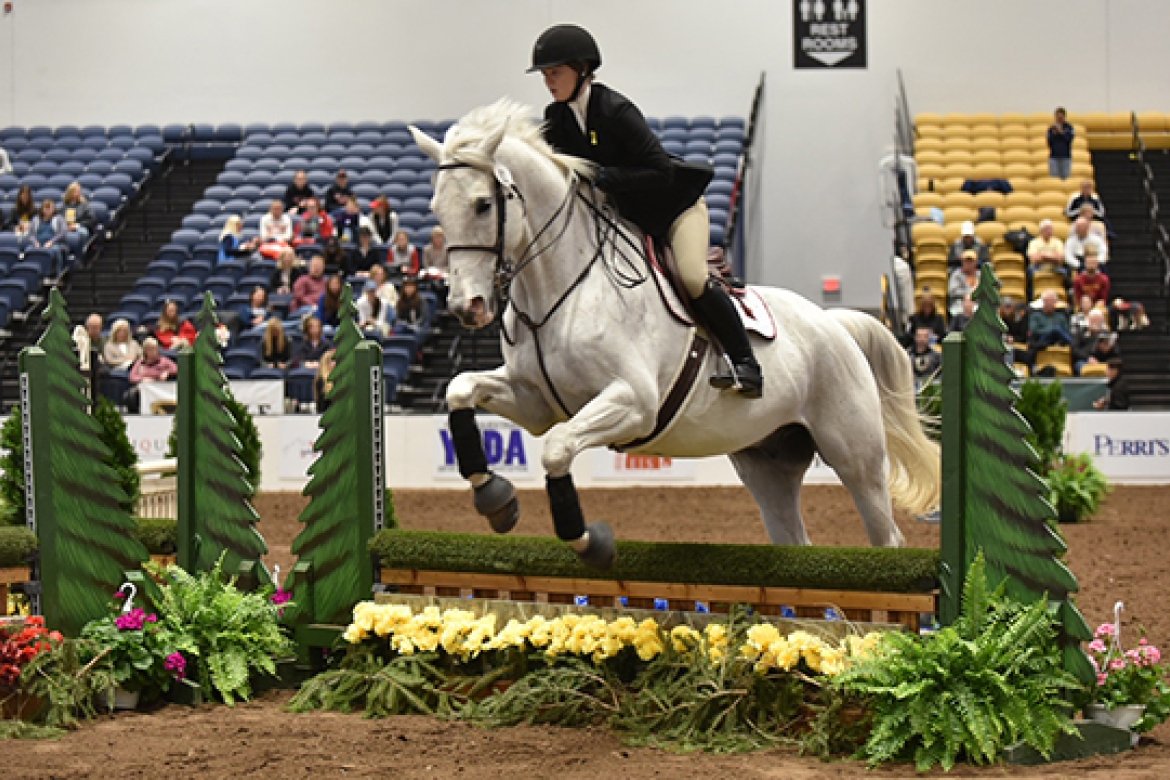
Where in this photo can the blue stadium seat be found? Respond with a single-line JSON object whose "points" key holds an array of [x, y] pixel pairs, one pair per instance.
{"points": [[198, 222], [229, 133], [299, 385]]}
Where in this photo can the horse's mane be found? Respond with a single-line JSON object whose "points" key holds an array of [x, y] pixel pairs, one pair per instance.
{"points": [[463, 142]]}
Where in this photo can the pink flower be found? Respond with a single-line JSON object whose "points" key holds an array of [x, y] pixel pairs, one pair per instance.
{"points": [[132, 620], [1101, 678], [1153, 654], [281, 596], [1143, 641], [1097, 646], [1116, 664], [1104, 630], [119, 595], [152, 618], [176, 664]]}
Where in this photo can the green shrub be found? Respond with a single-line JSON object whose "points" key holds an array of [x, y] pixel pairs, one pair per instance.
{"points": [[1076, 487], [124, 459], [17, 545], [1045, 409], [12, 470]]}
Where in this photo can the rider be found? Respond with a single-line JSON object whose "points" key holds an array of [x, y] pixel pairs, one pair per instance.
{"points": [[661, 195]]}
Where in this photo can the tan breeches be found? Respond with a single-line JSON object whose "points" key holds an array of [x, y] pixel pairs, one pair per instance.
{"points": [[689, 237]]}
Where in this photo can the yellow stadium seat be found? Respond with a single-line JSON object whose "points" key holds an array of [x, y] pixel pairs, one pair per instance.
{"points": [[959, 198], [1061, 229], [1020, 198], [929, 143], [987, 156], [951, 231], [930, 170], [1047, 280], [1054, 213], [1013, 129], [957, 215], [935, 281], [1059, 359], [990, 232], [1010, 268], [922, 231], [950, 184], [1017, 171], [1021, 370], [992, 198], [1015, 143], [1052, 198], [958, 156], [1039, 118], [981, 128], [989, 170], [1152, 122], [983, 118], [1048, 183], [956, 131], [1013, 119], [962, 171], [1082, 170], [1016, 156], [1093, 369], [1018, 214], [928, 200], [930, 157]]}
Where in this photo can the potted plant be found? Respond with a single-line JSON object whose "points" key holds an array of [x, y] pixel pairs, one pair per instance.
{"points": [[144, 652], [1076, 487], [1131, 691]]}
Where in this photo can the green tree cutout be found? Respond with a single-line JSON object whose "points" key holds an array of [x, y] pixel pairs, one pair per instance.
{"points": [[337, 521], [214, 489], [93, 541], [123, 457], [1007, 514]]}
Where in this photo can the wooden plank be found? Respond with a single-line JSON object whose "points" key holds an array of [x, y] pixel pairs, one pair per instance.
{"points": [[15, 574]]}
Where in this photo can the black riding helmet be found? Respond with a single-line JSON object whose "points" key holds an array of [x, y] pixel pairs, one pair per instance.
{"points": [[564, 44]]}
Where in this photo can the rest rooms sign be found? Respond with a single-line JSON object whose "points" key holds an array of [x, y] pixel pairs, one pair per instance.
{"points": [[828, 33]]}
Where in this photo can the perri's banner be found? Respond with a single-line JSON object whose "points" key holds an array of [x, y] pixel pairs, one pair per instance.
{"points": [[828, 33]]}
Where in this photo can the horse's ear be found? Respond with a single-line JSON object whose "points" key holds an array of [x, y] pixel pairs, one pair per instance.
{"points": [[492, 141], [430, 146]]}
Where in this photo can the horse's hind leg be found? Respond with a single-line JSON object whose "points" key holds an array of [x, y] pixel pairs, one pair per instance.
{"points": [[773, 471]]}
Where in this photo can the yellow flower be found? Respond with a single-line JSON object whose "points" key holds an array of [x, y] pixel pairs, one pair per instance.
{"points": [[363, 615], [354, 634], [683, 638]]}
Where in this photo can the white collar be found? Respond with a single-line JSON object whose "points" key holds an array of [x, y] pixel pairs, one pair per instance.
{"points": [[581, 105]]}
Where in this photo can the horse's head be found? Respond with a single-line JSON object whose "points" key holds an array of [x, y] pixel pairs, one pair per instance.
{"points": [[482, 216]]}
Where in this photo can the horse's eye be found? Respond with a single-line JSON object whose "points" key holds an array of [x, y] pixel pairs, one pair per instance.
{"points": [[482, 206]]}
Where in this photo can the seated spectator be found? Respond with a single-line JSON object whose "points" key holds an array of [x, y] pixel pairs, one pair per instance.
{"points": [[276, 231], [1085, 197], [89, 341], [411, 308], [48, 231], [968, 241], [1079, 237], [313, 345], [334, 254], [1096, 343], [374, 317], [78, 216], [403, 256], [274, 346], [348, 221], [962, 318], [152, 366], [925, 315], [308, 288], [121, 350], [924, 358], [963, 281], [170, 332], [435, 252], [364, 256], [231, 241], [23, 211], [1046, 250], [1116, 398], [255, 313], [1080, 318], [1015, 316], [1096, 226], [1060, 141], [386, 290], [339, 193], [298, 192], [382, 220], [288, 270], [1091, 281], [329, 304], [321, 384], [312, 226], [5, 162], [1048, 326]]}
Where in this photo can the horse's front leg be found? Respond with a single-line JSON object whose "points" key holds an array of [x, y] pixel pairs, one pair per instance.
{"points": [[614, 416], [495, 497]]}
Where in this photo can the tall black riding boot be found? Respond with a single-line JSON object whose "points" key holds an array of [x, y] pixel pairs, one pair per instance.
{"points": [[720, 317]]}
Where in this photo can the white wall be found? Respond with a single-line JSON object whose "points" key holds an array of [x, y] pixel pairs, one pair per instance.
{"points": [[134, 61]]}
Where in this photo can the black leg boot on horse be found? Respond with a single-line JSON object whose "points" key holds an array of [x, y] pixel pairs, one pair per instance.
{"points": [[718, 315], [495, 498]]}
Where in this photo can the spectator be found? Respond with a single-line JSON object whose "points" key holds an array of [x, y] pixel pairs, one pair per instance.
{"points": [[1085, 197], [5, 162], [1091, 281], [231, 241], [1096, 343], [1045, 250], [435, 252], [339, 193], [1080, 317], [274, 346], [348, 221], [255, 313], [924, 358], [23, 212], [1048, 326], [48, 231], [78, 216], [288, 270], [962, 318], [152, 366], [411, 308], [313, 226], [968, 241], [313, 345], [1116, 398], [276, 231], [365, 255], [963, 281], [89, 340], [374, 316], [335, 257], [169, 331], [308, 288], [382, 220], [1015, 316], [926, 315], [1060, 141], [321, 384], [121, 350], [386, 291], [403, 257], [1096, 226], [1078, 239], [298, 192], [329, 304]]}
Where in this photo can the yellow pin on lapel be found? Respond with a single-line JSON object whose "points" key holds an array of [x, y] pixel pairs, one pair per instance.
{"points": [[593, 137]]}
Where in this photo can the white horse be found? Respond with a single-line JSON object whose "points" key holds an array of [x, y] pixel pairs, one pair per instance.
{"points": [[591, 353]]}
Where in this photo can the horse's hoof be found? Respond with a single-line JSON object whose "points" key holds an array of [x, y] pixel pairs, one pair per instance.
{"points": [[601, 551], [496, 500]]}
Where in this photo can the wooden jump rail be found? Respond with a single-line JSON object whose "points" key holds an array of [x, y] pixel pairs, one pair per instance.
{"points": [[904, 609]]}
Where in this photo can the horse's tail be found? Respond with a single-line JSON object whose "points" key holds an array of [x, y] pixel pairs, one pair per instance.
{"points": [[915, 461]]}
